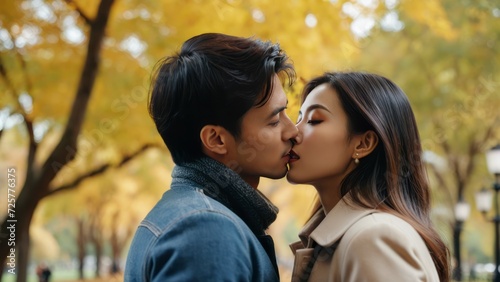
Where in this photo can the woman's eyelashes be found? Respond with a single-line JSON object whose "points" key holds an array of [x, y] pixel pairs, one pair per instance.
{"points": [[314, 121], [309, 121], [314, 118]]}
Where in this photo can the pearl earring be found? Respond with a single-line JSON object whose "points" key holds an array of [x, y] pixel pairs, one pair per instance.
{"points": [[356, 160]]}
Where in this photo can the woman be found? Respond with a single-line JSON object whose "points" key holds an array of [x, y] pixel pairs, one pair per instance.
{"points": [[359, 146]]}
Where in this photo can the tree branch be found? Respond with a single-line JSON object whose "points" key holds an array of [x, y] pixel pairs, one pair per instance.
{"points": [[471, 163], [80, 12], [442, 183], [26, 118], [136, 153], [453, 162], [474, 149], [10, 86], [422, 62], [78, 180], [24, 67], [489, 133], [65, 151], [99, 170]]}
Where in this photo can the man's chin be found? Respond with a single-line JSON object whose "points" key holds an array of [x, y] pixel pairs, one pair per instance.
{"points": [[277, 175]]}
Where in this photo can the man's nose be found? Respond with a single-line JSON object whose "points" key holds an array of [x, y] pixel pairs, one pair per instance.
{"points": [[290, 131], [297, 139]]}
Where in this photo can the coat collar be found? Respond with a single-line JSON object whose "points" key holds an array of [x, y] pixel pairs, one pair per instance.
{"points": [[326, 230]]}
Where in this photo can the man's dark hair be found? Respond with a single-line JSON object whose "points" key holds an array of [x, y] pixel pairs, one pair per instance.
{"points": [[214, 79]]}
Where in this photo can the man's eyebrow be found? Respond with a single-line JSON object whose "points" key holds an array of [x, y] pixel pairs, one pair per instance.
{"points": [[278, 110], [314, 107]]}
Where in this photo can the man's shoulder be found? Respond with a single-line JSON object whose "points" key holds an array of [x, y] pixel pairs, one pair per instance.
{"points": [[187, 225], [184, 198], [185, 203]]}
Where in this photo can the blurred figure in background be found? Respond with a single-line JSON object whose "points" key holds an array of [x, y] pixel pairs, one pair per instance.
{"points": [[43, 272]]}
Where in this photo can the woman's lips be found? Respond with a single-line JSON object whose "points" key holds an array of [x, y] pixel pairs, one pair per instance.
{"points": [[293, 156]]}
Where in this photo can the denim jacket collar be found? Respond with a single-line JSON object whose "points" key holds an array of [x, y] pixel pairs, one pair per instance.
{"points": [[226, 186]]}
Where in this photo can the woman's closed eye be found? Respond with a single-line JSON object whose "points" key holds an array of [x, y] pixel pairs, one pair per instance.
{"points": [[314, 121]]}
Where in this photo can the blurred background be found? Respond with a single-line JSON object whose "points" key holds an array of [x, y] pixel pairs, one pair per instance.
{"points": [[81, 159]]}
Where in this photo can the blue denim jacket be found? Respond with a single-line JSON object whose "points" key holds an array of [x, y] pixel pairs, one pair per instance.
{"points": [[189, 236]]}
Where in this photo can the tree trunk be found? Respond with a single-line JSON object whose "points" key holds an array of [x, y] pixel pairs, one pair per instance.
{"points": [[95, 236], [17, 224], [81, 241], [457, 270], [38, 178], [96, 239], [17, 244], [98, 255], [23, 247], [118, 240], [115, 246]]}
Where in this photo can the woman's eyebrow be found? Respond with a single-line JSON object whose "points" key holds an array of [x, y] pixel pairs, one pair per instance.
{"points": [[315, 106]]}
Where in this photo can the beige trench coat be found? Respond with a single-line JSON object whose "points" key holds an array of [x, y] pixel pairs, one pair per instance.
{"points": [[374, 246]]}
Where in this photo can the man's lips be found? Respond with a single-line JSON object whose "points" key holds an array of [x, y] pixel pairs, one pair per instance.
{"points": [[293, 156]]}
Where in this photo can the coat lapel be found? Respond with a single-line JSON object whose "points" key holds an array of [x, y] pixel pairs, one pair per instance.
{"points": [[337, 221], [325, 231]]}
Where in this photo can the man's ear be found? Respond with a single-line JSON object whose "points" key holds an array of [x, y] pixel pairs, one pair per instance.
{"points": [[367, 143], [213, 139]]}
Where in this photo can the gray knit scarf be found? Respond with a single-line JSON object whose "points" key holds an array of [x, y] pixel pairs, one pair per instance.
{"points": [[227, 187]]}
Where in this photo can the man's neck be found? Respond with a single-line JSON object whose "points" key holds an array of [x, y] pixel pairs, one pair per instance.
{"points": [[251, 180]]}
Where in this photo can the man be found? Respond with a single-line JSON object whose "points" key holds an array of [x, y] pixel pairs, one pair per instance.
{"points": [[220, 108]]}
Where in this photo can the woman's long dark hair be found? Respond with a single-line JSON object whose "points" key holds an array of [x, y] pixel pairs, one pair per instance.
{"points": [[392, 178]]}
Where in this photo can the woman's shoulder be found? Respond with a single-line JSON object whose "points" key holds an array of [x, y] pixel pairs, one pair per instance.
{"points": [[383, 247], [398, 249], [383, 229]]}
